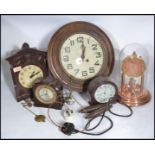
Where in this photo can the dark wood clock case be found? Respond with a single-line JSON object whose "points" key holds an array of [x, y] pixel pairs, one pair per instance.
{"points": [[26, 56]]}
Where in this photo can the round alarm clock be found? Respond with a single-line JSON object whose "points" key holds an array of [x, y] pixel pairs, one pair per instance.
{"points": [[78, 52], [102, 90]]}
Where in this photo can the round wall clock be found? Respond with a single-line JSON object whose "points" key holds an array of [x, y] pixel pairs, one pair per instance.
{"points": [[78, 52], [102, 90]]}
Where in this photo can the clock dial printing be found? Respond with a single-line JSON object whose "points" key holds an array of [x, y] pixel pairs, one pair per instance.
{"points": [[28, 75], [104, 93], [81, 56]]}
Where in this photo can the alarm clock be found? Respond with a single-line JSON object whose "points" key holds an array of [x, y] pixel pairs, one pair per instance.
{"points": [[101, 90]]}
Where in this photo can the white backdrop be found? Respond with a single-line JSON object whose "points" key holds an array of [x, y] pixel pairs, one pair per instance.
{"points": [[37, 31]]}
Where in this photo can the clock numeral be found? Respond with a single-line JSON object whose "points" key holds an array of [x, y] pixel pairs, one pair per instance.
{"points": [[98, 54], [94, 46], [67, 49], [97, 63], [69, 66], [91, 70], [88, 41], [80, 39], [72, 42], [84, 73], [66, 58], [76, 71]]}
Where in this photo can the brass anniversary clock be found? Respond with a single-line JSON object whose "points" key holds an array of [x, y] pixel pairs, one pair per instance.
{"points": [[27, 65], [78, 52]]}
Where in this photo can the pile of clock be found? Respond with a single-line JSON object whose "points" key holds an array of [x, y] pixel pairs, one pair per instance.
{"points": [[80, 57]]}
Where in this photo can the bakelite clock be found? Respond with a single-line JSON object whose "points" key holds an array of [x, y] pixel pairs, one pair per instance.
{"points": [[78, 52], [102, 90], [26, 66], [47, 95]]}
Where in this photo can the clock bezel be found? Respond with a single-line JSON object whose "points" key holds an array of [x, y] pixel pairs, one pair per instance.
{"points": [[60, 37]]}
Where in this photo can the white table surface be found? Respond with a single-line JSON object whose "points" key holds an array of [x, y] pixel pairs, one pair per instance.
{"points": [[37, 30]]}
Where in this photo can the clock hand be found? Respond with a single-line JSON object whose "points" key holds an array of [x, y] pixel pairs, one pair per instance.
{"points": [[33, 74], [83, 47]]}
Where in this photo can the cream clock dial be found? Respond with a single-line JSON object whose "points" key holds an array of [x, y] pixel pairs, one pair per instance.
{"points": [[28, 75], [45, 94], [104, 93], [81, 56]]}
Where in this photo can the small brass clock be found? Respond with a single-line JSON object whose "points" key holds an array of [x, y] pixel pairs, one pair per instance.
{"points": [[78, 52]]}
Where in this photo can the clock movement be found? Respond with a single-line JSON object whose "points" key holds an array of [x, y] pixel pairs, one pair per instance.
{"points": [[26, 66], [78, 52]]}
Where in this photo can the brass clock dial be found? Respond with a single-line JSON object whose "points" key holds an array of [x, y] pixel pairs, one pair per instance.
{"points": [[78, 52], [29, 74]]}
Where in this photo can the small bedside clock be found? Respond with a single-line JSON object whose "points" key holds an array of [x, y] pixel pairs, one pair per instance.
{"points": [[47, 95], [102, 90], [78, 52], [26, 66]]}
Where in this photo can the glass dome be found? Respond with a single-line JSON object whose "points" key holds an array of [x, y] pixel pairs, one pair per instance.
{"points": [[133, 65]]}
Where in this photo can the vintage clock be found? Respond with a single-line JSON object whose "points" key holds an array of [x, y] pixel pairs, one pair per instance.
{"points": [[47, 95], [102, 90], [133, 65], [26, 66], [78, 52]]}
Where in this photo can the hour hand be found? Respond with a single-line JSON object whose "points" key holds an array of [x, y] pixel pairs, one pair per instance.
{"points": [[33, 74], [83, 51]]}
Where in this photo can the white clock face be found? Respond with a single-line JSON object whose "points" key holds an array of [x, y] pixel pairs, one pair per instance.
{"points": [[45, 94], [81, 56], [104, 92]]}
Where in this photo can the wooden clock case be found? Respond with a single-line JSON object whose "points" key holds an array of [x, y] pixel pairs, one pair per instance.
{"points": [[26, 56], [58, 89], [54, 53]]}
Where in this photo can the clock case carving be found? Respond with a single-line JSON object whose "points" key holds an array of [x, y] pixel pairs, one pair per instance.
{"points": [[26, 56], [54, 50]]}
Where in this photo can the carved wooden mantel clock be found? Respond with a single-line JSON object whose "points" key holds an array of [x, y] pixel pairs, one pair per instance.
{"points": [[26, 66]]}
